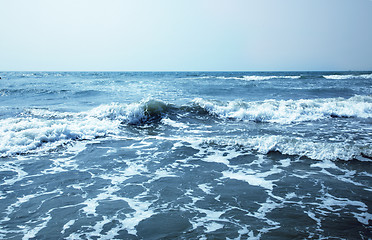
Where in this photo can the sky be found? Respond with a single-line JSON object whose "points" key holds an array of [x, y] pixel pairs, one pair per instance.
{"points": [[185, 35]]}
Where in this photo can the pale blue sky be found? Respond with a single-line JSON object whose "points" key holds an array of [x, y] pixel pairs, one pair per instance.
{"points": [[158, 35]]}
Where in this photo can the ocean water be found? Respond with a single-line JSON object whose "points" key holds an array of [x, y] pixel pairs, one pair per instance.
{"points": [[185, 155]]}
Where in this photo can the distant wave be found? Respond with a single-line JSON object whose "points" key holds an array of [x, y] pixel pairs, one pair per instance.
{"points": [[8, 92], [342, 77], [289, 111], [248, 77], [260, 78]]}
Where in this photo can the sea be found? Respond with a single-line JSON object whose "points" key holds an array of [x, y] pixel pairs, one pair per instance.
{"points": [[185, 155]]}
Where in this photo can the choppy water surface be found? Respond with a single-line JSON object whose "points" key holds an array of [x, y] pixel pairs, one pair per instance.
{"points": [[185, 155]]}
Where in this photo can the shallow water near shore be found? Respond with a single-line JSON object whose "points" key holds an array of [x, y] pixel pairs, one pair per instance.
{"points": [[185, 155]]}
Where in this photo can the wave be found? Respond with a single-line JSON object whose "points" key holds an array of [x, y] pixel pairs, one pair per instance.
{"points": [[299, 147], [246, 77], [8, 92], [27, 135], [145, 111], [41, 129], [343, 77], [260, 78], [289, 111]]}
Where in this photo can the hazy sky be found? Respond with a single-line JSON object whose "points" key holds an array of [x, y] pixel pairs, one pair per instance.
{"points": [[251, 35]]}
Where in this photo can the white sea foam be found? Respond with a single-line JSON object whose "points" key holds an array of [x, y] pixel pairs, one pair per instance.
{"points": [[297, 146], [342, 77], [259, 78], [213, 226], [24, 135], [173, 123], [311, 149], [247, 77], [42, 129], [142, 211], [67, 225], [218, 157], [300, 147], [31, 232], [334, 204], [205, 188], [289, 111], [209, 218], [133, 113], [251, 178]]}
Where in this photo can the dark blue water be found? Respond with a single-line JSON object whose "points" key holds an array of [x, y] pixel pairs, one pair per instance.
{"points": [[185, 155]]}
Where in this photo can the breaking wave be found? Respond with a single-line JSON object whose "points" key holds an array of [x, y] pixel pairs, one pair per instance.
{"points": [[260, 78], [342, 77], [289, 111], [300, 147], [41, 129], [135, 113], [246, 77], [26, 135]]}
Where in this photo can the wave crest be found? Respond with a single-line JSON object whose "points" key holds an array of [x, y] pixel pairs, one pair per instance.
{"points": [[343, 77], [289, 111], [43, 130], [247, 77], [135, 113], [259, 78], [300, 147], [26, 135]]}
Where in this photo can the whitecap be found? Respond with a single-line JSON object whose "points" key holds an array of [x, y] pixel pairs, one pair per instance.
{"points": [[289, 111], [299, 147], [258, 77], [348, 76], [26, 135]]}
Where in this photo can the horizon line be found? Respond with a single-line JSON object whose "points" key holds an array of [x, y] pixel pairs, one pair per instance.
{"points": [[186, 70]]}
